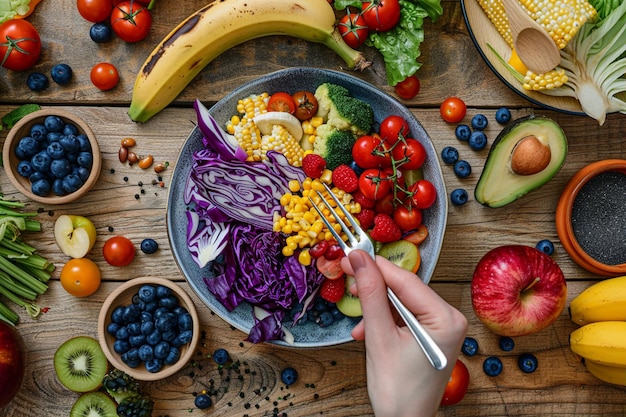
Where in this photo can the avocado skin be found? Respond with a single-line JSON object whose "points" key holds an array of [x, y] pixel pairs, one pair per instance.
{"points": [[498, 185]]}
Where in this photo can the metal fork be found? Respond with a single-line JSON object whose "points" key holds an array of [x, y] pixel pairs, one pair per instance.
{"points": [[362, 241]]}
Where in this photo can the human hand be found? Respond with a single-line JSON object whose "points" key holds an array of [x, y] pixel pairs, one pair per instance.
{"points": [[400, 379]]}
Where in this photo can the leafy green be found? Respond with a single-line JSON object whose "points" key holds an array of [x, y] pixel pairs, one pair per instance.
{"points": [[605, 7], [12, 117]]}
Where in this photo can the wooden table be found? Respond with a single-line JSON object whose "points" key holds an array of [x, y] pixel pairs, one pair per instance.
{"points": [[332, 381]]}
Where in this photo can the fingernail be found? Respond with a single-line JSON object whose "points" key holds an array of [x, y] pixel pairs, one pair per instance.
{"points": [[356, 260]]}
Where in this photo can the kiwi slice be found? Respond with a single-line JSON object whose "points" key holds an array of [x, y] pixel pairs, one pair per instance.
{"points": [[402, 253], [94, 404], [80, 364], [348, 304]]}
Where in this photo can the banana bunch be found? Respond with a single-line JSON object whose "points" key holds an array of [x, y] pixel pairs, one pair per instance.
{"points": [[601, 341], [221, 25]]}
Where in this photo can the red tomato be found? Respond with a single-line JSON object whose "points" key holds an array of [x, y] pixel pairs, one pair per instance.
{"points": [[144, 2], [408, 88], [385, 204], [94, 10], [131, 21], [20, 45], [306, 105], [457, 384], [391, 127], [453, 110], [407, 218], [374, 183], [118, 251], [281, 101], [104, 76], [409, 154], [353, 29], [423, 194], [370, 152], [381, 15], [418, 236]]}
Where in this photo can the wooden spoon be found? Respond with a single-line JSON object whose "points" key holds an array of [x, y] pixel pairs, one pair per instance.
{"points": [[533, 45]]}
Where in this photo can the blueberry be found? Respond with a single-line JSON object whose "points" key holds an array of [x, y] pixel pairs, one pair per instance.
{"points": [[137, 340], [121, 346], [462, 168], [161, 350], [54, 136], [463, 132], [72, 183], [41, 187], [147, 293], [70, 143], [61, 73], [506, 343], [58, 188], [100, 32], [164, 323], [470, 346], [170, 302], [147, 327], [145, 315], [117, 315], [479, 122], [162, 291], [55, 150], [82, 172], [527, 362], [36, 176], [134, 328], [546, 246], [146, 352], [59, 168], [85, 159], [130, 313], [53, 123], [149, 246], [289, 376], [85, 145], [492, 366], [185, 322], [325, 319], [503, 115], [184, 337], [173, 356], [154, 337], [38, 132], [477, 141], [202, 401], [25, 169], [458, 197], [112, 328], [26, 148], [221, 356], [70, 129], [37, 81], [122, 333], [449, 155], [337, 315], [154, 365], [41, 161]]}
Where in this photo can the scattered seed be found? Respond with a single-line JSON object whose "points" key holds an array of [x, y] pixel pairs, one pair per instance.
{"points": [[132, 157], [128, 142], [146, 162], [122, 154]]}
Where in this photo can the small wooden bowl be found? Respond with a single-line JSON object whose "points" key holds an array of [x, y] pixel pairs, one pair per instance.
{"points": [[123, 296], [21, 129], [564, 213]]}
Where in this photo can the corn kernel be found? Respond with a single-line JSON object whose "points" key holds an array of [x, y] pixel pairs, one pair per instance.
{"points": [[287, 251], [304, 257], [294, 186]]}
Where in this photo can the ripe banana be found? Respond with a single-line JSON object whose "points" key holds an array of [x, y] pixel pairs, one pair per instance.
{"points": [[611, 374], [603, 301], [221, 25], [603, 342]]}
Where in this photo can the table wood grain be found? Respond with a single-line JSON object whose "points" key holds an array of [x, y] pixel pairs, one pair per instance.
{"points": [[332, 380]]}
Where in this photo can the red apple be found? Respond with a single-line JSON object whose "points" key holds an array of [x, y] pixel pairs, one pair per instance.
{"points": [[11, 362], [517, 290]]}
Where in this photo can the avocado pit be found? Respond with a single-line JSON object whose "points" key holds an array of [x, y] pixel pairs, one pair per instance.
{"points": [[530, 156]]}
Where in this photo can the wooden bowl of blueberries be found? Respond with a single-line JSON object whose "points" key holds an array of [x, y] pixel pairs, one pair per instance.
{"points": [[52, 156], [149, 328]]}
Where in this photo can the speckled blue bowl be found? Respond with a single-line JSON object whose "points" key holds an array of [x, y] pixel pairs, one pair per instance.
{"points": [[293, 79]]}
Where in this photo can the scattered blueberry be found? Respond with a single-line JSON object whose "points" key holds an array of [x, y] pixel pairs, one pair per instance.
{"points": [[289, 376], [503, 115], [449, 155], [492, 366], [478, 140], [528, 363], [463, 132], [546, 246], [470, 346], [203, 401], [100, 32], [61, 73], [462, 168], [37, 81], [221, 356], [357, 169], [458, 197], [325, 319], [149, 246], [479, 122], [506, 343]]}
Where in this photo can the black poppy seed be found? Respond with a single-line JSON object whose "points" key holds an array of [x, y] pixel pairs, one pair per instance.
{"points": [[112, 170], [143, 191], [230, 404], [275, 403], [125, 179], [247, 405], [137, 196], [257, 406], [242, 394], [240, 344], [333, 363], [140, 183], [111, 229], [316, 396]]}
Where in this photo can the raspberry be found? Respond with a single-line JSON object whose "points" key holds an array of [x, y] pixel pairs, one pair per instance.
{"points": [[365, 202], [313, 165], [366, 218], [332, 290], [385, 229], [345, 178]]}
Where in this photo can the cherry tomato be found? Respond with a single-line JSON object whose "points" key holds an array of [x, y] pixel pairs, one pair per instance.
{"points": [[407, 218], [391, 127], [131, 21], [408, 88], [306, 105], [281, 101], [319, 249], [353, 29], [423, 194], [104, 76], [381, 15], [80, 277], [95, 11], [409, 154], [370, 152], [457, 384], [118, 251], [144, 2], [453, 110], [20, 45], [385, 204], [374, 183]]}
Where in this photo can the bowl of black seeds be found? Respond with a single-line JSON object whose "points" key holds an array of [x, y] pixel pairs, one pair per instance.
{"points": [[591, 217]]}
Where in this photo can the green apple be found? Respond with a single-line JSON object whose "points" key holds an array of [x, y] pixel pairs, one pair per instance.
{"points": [[75, 235]]}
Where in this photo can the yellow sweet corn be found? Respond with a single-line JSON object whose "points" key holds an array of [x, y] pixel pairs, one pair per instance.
{"points": [[545, 81]]}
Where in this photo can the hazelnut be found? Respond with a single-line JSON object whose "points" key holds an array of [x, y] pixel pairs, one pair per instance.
{"points": [[530, 156]]}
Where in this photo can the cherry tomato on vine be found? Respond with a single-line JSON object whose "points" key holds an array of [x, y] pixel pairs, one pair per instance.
{"points": [[118, 251], [80, 277], [391, 127], [353, 29], [281, 101], [423, 194], [381, 15], [104, 76], [457, 384], [385, 204], [453, 110], [94, 11], [408, 88], [131, 21], [370, 152], [407, 218], [306, 105], [410, 153], [374, 183], [20, 45]]}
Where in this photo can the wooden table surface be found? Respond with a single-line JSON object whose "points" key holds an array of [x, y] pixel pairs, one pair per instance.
{"points": [[332, 380]]}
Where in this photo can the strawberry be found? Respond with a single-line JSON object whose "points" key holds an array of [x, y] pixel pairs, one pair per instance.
{"points": [[385, 229], [345, 178], [365, 218], [360, 198], [313, 165], [332, 290]]}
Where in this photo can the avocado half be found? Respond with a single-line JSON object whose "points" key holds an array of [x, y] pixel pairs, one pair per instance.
{"points": [[525, 155]]}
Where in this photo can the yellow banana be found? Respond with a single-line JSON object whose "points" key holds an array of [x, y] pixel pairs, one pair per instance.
{"points": [[221, 25], [603, 342], [602, 301], [611, 374]]}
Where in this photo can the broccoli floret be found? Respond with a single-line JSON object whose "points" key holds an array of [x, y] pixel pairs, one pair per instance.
{"points": [[120, 385], [135, 406], [342, 111], [334, 145]]}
